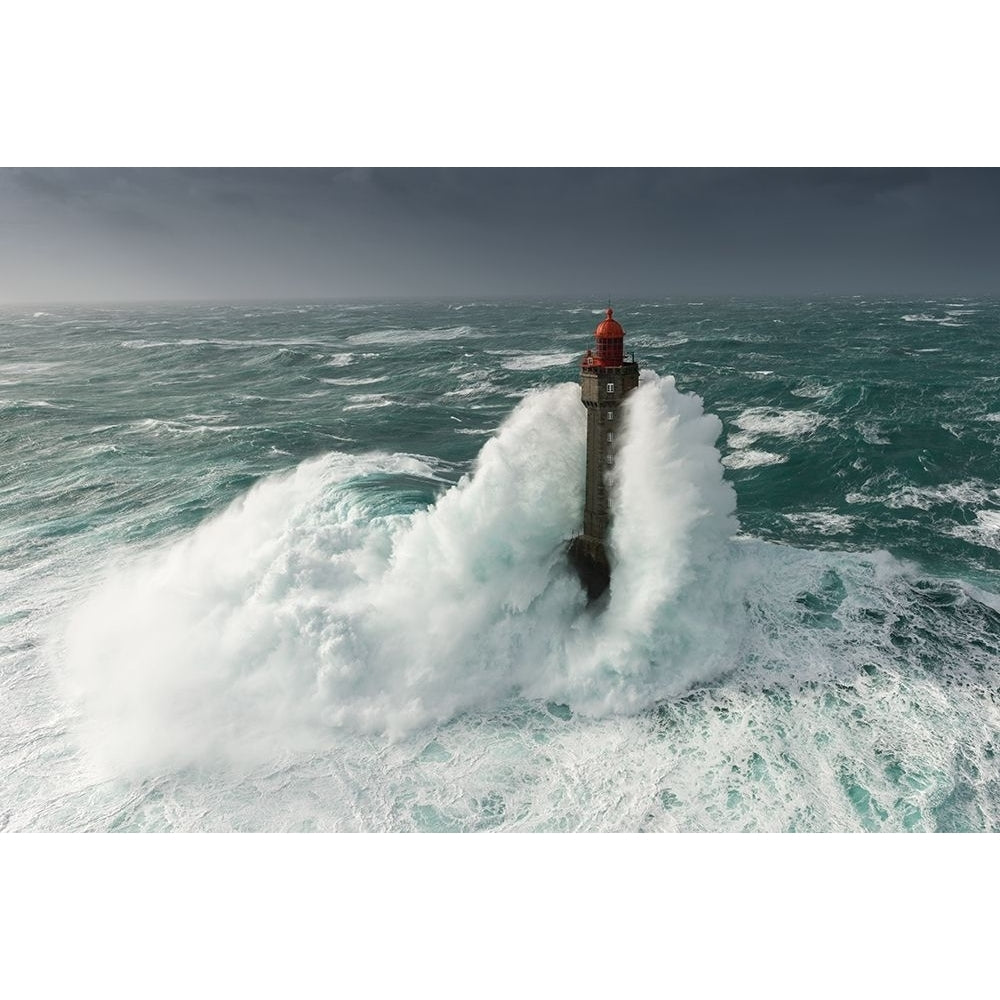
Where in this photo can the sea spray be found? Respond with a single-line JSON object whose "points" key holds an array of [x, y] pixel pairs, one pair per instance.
{"points": [[295, 610], [474, 598], [674, 510], [208, 646], [674, 609]]}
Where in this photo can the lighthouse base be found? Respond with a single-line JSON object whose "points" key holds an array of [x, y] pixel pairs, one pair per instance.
{"points": [[588, 557]]}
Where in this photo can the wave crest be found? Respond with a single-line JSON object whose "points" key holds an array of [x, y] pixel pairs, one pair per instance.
{"points": [[297, 609]]}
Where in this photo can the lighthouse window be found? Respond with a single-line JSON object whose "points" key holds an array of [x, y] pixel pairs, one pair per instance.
{"points": [[611, 414], [611, 387], [611, 435]]}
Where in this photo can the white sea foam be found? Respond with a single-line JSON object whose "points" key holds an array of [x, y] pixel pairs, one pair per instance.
{"points": [[823, 522], [764, 421], [97, 449], [947, 320], [188, 425], [767, 420], [294, 611], [340, 360], [752, 459], [740, 439], [813, 390], [369, 401], [985, 532], [31, 404], [971, 493], [475, 389], [536, 362], [871, 432], [672, 583], [398, 336], [355, 381], [140, 343], [206, 418], [30, 368], [966, 493], [474, 382], [983, 596]]}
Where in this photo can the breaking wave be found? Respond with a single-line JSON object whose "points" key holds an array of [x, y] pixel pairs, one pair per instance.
{"points": [[307, 605]]}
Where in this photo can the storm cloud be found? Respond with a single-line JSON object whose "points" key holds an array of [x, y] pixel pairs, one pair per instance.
{"points": [[224, 234]]}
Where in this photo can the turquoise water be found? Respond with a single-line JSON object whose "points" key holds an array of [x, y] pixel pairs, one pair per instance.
{"points": [[281, 567]]}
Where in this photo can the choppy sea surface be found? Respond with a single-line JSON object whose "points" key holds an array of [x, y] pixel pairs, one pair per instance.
{"points": [[301, 567]]}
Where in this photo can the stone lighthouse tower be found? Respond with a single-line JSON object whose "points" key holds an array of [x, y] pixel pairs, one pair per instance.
{"points": [[606, 378]]}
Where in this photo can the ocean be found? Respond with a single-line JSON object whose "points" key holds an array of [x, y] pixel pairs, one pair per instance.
{"points": [[295, 567]]}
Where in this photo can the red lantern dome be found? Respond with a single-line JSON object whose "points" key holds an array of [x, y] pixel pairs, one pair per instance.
{"points": [[609, 327], [610, 352]]}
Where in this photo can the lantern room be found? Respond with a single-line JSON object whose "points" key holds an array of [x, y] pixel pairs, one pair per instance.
{"points": [[610, 347]]}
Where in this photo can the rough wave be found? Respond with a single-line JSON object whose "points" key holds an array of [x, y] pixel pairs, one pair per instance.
{"points": [[299, 609]]}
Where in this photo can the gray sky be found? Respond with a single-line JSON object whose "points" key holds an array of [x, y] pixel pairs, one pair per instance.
{"points": [[141, 233]]}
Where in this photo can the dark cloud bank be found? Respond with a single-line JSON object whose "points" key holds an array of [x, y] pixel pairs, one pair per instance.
{"points": [[151, 234]]}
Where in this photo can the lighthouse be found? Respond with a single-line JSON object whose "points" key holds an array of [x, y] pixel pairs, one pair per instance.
{"points": [[606, 378]]}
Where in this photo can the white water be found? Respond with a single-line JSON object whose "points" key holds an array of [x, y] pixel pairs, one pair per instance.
{"points": [[295, 611]]}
